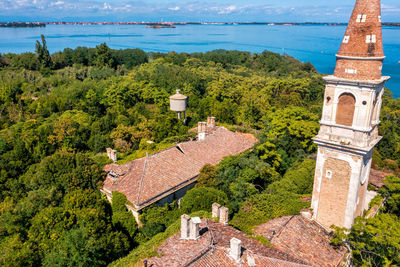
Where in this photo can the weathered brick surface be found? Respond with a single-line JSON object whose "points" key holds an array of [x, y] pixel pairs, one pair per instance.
{"points": [[334, 192], [357, 46], [345, 109], [303, 239]]}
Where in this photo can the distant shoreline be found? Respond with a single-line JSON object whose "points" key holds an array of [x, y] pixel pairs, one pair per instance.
{"points": [[43, 24]]}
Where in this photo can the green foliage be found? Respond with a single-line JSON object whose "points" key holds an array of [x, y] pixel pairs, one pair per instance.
{"points": [[130, 57], [374, 242], [103, 56], [43, 54], [261, 208], [152, 228], [201, 199], [122, 218], [392, 190], [77, 248], [298, 180], [59, 112], [166, 214], [66, 171], [207, 176]]}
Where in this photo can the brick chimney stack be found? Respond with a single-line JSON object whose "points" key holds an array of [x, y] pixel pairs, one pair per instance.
{"points": [[235, 250], [361, 53], [224, 215], [185, 221], [201, 130], [215, 210], [211, 122], [112, 154], [194, 232]]}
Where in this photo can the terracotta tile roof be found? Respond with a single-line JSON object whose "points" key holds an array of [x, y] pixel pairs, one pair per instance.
{"points": [[376, 177], [211, 249], [361, 53], [148, 179], [219, 257], [303, 239]]}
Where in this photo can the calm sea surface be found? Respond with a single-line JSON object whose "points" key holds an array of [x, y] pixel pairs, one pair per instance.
{"points": [[316, 44]]}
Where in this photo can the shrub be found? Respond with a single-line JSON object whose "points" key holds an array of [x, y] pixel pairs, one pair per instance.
{"points": [[202, 198], [121, 217], [152, 228], [264, 207]]}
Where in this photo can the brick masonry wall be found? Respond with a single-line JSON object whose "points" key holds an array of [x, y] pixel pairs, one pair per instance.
{"points": [[345, 110], [334, 192], [366, 69]]}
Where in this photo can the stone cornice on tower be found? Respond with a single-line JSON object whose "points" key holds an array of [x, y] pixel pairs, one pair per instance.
{"points": [[361, 54]]}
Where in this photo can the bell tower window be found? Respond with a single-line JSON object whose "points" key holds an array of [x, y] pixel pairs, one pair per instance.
{"points": [[345, 109], [361, 18]]}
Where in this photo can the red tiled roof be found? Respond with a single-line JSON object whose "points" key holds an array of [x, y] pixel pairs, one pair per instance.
{"points": [[361, 53], [376, 177], [148, 179], [303, 239], [219, 257], [211, 249]]}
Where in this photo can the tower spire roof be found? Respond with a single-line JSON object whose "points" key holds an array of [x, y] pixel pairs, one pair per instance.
{"points": [[361, 53]]}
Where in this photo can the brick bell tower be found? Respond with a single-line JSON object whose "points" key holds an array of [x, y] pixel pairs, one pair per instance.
{"points": [[350, 119]]}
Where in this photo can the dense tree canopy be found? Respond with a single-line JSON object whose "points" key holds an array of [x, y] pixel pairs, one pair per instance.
{"points": [[59, 112]]}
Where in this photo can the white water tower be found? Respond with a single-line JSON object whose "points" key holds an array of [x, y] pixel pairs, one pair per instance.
{"points": [[178, 103]]}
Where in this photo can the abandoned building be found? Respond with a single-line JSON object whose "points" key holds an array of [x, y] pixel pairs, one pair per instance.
{"points": [[294, 241], [347, 137], [350, 119], [169, 174]]}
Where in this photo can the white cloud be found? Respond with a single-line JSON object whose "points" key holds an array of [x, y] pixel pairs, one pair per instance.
{"points": [[106, 6], [174, 8], [227, 10]]}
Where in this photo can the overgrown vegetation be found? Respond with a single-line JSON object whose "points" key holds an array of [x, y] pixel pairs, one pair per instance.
{"points": [[59, 111]]}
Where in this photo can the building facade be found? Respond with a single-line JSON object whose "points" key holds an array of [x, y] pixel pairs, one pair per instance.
{"points": [[350, 119]]}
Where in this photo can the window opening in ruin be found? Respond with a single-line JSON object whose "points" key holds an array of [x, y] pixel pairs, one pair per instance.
{"points": [[345, 109]]}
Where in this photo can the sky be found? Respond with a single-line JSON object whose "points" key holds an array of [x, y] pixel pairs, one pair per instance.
{"points": [[188, 10]]}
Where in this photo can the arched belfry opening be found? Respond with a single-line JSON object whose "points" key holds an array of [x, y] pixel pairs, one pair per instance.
{"points": [[345, 109]]}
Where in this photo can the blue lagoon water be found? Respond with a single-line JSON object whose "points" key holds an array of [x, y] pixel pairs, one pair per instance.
{"points": [[315, 44]]}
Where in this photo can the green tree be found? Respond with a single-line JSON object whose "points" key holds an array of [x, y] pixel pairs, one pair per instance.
{"points": [[76, 248], [122, 218], [103, 56], [374, 241], [207, 176], [392, 190], [43, 53], [201, 199]]}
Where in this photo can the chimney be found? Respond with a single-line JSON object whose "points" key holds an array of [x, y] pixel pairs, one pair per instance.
{"points": [[215, 210], [211, 122], [224, 215], [201, 129], [194, 231], [185, 219], [114, 155], [235, 250], [109, 152]]}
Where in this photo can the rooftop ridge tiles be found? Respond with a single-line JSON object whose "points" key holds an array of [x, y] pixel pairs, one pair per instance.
{"points": [[142, 179], [151, 177]]}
